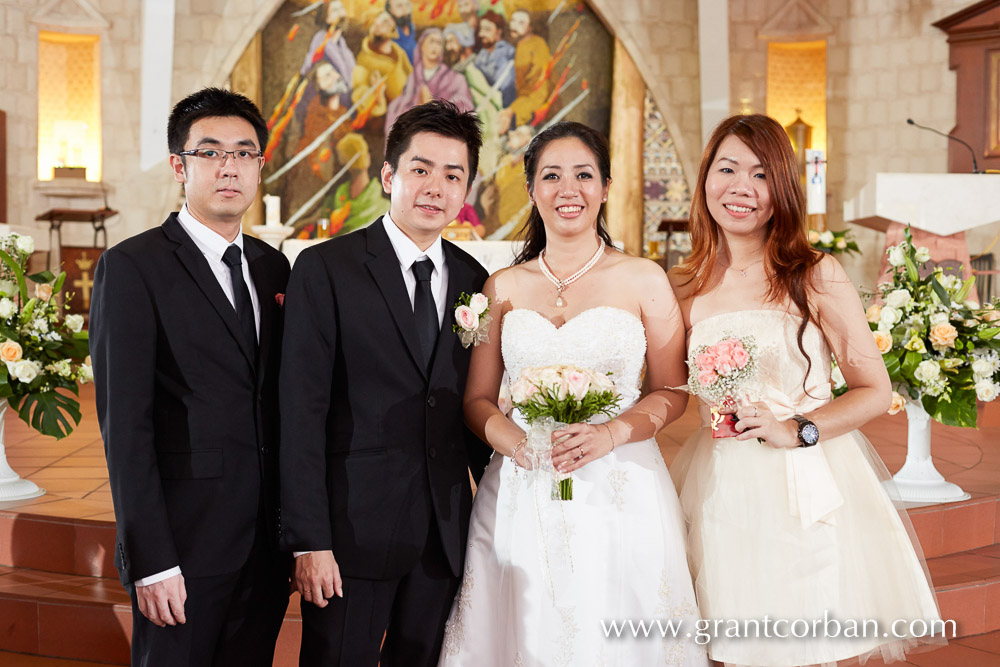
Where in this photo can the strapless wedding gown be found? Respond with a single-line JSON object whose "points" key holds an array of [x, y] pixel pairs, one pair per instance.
{"points": [[544, 579], [806, 533]]}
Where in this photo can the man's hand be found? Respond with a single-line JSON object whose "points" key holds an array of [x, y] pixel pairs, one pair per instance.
{"points": [[317, 577], [163, 602]]}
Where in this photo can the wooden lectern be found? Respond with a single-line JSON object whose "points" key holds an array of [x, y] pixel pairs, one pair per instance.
{"points": [[939, 208]]}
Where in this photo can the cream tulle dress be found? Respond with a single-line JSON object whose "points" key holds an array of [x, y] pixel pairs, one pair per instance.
{"points": [[807, 533]]}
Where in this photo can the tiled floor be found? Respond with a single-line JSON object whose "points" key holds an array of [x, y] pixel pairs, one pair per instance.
{"points": [[74, 474]]}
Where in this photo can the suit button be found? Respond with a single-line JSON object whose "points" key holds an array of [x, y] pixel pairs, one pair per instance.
{"points": [[431, 401], [432, 452], [264, 450]]}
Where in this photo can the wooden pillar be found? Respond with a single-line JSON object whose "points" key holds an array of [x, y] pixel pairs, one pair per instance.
{"points": [[625, 200]]}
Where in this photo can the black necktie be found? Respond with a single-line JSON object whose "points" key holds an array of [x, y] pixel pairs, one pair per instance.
{"points": [[241, 295], [424, 309]]}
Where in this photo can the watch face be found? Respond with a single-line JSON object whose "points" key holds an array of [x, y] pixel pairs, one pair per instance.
{"points": [[809, 433]]}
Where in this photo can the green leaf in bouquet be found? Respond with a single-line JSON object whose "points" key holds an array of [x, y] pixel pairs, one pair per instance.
{"points": [[940, 291], [58, 284], [960, 410], [42, 277], [49, 412], [28, 309], [966, 290], [989, 334], [18, 272], [910, 362]]}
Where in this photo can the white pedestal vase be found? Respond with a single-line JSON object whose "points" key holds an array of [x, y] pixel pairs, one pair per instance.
{"points": [[918, 481], [12, 487], [273, 235]]}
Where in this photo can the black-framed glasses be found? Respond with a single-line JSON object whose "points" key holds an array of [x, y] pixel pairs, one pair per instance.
{"points": [[242, 156]]}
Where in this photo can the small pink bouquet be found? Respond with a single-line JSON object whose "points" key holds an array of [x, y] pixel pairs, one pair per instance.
{"points": [[549, 398], [719, 373]]}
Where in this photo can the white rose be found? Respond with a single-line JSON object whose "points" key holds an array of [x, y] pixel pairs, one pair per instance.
{"points": [[7, 308], [24, 370], [479, 303], [813, 237], [986, 390], [837, 376], [25, 244], [85, 373], [949, 281], [897, 256], [841, 244], [890, 315], [927, 371], [73, 322], [938, 318], [923, 254], [8, 288], [982, 368], [826, 238], [898, 298]]}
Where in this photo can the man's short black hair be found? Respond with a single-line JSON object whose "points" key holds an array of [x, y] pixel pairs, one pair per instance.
{"points": [[439, 117], [212, 103]]}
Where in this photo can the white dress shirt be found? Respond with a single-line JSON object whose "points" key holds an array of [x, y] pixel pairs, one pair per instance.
{"points": [[212, 246], [407, 253]]}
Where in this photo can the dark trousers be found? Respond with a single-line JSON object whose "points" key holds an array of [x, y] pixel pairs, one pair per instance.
{"points": [[232, 619], [409, 612]]}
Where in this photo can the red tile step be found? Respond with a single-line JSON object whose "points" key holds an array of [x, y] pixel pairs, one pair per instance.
{"points": [[87, 618], [81, 547]]}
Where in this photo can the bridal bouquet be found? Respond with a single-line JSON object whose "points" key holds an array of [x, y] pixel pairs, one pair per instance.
{"points": [[40, 350], [549, 398], [939, 347], [719, 373]]}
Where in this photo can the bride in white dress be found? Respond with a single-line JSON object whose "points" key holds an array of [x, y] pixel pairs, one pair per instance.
{"points": [[550, 582]]}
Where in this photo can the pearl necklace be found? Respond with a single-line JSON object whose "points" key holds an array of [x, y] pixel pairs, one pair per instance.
{"points": [[563, 284]]}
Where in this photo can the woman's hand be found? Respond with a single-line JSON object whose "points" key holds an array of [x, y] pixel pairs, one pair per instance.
{"points": [[576, 445], [757, 421]]}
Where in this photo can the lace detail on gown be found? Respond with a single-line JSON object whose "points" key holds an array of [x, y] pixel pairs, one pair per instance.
{"points": [[548, 573]]}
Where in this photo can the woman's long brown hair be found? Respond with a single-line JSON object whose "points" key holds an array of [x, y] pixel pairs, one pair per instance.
{"points": [[788, 257]]}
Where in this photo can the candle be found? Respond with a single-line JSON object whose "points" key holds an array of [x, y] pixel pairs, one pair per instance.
{"points": [[815, 182], [272, 211]]}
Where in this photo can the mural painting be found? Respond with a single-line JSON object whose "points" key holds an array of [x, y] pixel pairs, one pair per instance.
{"points": [[337, 73]]}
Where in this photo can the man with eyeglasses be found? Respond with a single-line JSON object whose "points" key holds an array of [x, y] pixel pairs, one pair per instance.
{"points": [[186, 329]]}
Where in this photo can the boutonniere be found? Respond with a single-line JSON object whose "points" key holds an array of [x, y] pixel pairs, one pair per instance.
{"points": [[472, 319], [279, 299]]}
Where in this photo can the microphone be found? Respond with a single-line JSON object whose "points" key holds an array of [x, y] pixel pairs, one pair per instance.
{"points": [[975, 165]]}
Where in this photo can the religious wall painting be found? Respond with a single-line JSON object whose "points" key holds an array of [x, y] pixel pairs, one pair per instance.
{"points": [[79, 265], [337, 73]]}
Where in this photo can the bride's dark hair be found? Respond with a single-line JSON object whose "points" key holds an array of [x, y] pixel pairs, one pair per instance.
{"points": [[788, 257], [533, 231]]}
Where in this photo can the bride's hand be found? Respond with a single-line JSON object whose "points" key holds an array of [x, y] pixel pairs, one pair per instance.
{"points": [[757, 421], [576, 445]]}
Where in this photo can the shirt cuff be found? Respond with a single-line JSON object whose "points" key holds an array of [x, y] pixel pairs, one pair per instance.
{"points": [[296, 554], [160, 576]]}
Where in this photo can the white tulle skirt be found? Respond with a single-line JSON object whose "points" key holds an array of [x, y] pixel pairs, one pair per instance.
{"points": [[753, 559], [545, 578]]}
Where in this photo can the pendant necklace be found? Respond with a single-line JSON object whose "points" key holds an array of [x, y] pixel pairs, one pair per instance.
{"points": [[743, 271], [563, 284]]}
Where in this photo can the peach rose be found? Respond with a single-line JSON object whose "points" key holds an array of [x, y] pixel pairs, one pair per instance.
{"points": [[883, 341], [897, 403], [43, 291], [874, 312], [991, 316], [943, 335], [10, 351]]}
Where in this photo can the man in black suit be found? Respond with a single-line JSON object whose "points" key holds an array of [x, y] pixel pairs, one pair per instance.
{"points": [[375, 456], [185, 336]]}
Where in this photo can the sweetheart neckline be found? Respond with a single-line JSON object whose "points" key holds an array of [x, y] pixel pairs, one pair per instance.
{"points": [[581, 313]]}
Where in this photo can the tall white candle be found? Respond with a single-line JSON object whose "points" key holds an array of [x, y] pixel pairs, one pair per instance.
{"points": [[815, 182], [272, 210]]}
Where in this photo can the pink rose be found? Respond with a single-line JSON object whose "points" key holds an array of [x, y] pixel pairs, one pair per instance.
{"points": [[466, 318], [723, 348], [705, 378], [279, 299], [479, 303], [577, 383], [705, 361], [740, 356]]}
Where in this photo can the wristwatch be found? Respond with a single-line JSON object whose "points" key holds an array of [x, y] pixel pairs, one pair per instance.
{"points": [[808, 433]]}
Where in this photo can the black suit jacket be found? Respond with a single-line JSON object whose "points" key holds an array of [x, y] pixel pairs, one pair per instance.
{"points": [[374, 446], [189, 417]]}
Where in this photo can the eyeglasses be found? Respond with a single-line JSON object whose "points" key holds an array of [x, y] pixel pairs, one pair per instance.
{"points": [[243, 157]]}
